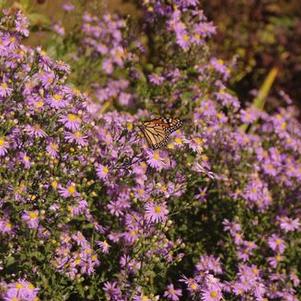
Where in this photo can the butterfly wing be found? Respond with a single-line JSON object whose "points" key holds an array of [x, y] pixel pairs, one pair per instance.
{"points": [[157, 131]]}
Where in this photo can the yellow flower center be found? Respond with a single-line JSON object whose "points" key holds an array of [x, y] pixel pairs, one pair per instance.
{"points": [[39, 104], [278, 241], [105, 170], [186, 37], [54, 146], [19, 285], [4, 85], [54, 184], [283, 125], [33, 215], [73, 117], [88, 251], [197, 36], [57, 97], [77, 261], [156, 155], [198, 140], [8, 225], [213, 294], [134, 232], [78, 134], [278, 257], [30, 286], [71, 189], [178, 140], [2, 141], [158, 209], [193, 286]]}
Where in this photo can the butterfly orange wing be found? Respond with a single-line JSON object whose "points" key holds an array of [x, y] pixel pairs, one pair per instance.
{"points": [[157, 131]]}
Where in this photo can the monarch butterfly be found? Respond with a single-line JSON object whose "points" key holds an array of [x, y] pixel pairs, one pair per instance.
{"points": [[157, 131]]}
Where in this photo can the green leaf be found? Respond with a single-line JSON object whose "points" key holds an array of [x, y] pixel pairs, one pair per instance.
{"points": [[265, 88], [10, 260]]}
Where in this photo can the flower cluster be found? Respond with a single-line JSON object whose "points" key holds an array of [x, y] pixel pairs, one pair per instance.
{"points": [[89, 211]]}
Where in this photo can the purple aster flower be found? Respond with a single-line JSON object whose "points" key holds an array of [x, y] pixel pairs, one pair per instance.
{"points": [[3, 146], [22, 24], [124, 99], [35, 131], [211, 293], [31, 218], [104, 246], [220, 67], [71, 121], [276, 243], [5, 90], [77, 137], [107, 66], [59, 29], [57, 101], [209, 263], [155, 212], [192, 285], [155, 160], [21, 290], [112, 290], [69, 191], [102, 171], [46, 78], [25, 160], [68, 7], [52, 149], [275, 260], [288, 224], [172, 294], [156, 79], [5, 226]]}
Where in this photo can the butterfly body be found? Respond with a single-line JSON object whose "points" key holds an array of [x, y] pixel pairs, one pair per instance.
{"points": [[157, 131]]}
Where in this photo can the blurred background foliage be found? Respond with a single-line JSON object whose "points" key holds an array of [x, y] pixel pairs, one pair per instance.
{"points": [[263, 34], [262, 37]]}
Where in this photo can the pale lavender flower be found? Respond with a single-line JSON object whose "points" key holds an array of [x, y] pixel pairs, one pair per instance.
{"points": [[31, 218], [172, 293], [155, 212], [71, 121], [3, 146]]}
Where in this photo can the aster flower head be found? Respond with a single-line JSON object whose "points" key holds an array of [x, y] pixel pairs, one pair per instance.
{"points": [[35, 131], [4, 145], [5, 90], [68, 7], [155, 212], [71, 121], [288, 224], [172, 293], [21, 290], [155, 159], [31, 218], [211, 293], [276, 243], [76, 137], [102, 171], [68, 191]]}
